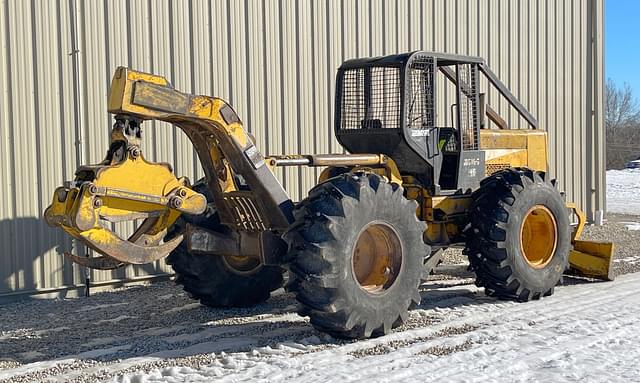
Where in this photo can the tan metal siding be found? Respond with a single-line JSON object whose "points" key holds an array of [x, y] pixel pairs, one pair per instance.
{"points": [[275, 61], [595, 106]]}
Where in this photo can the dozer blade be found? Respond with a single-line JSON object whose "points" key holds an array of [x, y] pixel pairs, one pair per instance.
{"points": [[588, 258], [592, 259]]}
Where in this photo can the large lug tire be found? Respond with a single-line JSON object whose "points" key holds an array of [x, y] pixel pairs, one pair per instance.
{"points": [[220, 281], [518, 236], [356, 250]]}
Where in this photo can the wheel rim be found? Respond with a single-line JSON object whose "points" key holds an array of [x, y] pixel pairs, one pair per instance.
{"points": [[377, 257], [242, 265], [538, 236]]}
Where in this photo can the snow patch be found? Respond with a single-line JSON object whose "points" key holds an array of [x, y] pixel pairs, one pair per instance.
{"points": [[632, 225], [158, 331], [99, 307], [116, 319], [101, 341], [102, 352], [630, 260], [565, 337], [33, 367], [623, 191], [186, 307], [31, 355]]}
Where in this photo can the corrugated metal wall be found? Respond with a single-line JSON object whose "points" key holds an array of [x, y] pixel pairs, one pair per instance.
{"points": [[275, 62]]}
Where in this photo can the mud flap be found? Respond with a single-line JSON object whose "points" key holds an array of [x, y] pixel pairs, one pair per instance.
{"points": [[592, 259]]}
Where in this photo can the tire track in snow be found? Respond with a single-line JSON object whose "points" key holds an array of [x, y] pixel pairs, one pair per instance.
{"points": [[454, 306], [490, 310], [510, 320], [516, 366]]}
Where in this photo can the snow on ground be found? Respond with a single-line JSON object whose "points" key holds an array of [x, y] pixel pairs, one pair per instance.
{"points": [[559, 338], [634, 260], [623, 191], [586, 331], [633, 226]]}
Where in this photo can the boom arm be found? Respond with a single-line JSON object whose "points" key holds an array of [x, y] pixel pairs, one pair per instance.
{"points": [[126, 187], [219, 139]]}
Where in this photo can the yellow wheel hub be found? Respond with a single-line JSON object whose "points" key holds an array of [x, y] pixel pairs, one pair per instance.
{"points": [[377, 257], [538, 236], [242, 265]]}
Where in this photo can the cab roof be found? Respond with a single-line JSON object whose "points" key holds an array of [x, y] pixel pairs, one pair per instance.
{"points": [[403, 58]]}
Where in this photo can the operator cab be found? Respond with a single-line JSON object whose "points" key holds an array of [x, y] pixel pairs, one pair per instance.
{"points": [[389, 105]]}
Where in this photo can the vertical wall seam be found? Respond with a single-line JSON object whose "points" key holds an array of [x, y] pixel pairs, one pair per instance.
{"points": [[12, 159], [298, 93], [357, 27], [247, 93], [266, 127], [192, 74], [81, 98], [172, 72], [421, 25], [314, 85], [128, 13], [36, 107], [152, 131], [37, 115], [229, 54], [383, 28], [283, 132], [329, 78], [61, 98], [107, 58], [397, 23]]}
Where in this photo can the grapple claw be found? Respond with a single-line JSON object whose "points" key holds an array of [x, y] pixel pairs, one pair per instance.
{"points": [[123, 188], [107, 243], [98, 263]]}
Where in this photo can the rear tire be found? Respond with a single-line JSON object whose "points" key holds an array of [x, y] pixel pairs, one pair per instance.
{"points": [[216, 280], [518, 237], [356, 250]]}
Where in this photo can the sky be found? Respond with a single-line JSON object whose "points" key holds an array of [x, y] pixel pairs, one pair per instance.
{"points": [[622, 42]]}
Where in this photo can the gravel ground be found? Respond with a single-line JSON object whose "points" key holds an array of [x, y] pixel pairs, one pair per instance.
{"points": [[161, 320], [626, 242]]}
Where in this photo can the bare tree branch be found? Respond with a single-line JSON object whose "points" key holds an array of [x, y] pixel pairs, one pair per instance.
{"points": [[622, 124]]}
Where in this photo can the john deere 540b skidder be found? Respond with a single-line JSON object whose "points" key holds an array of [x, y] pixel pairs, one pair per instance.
{"points": [[358, 246]]}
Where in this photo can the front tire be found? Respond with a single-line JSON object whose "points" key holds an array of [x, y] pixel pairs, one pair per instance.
{"points": [[518, 237], [356, 250], [217, 280]]}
